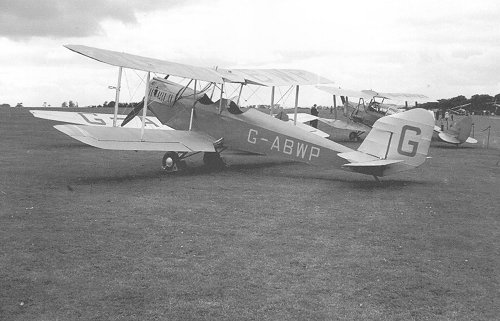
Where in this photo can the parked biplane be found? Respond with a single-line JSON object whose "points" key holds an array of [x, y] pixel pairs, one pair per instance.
{"points": [[455, 133], [367, 114], [396, 143]]}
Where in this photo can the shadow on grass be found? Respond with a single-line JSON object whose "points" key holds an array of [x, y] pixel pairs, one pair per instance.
{"points": [[62, 146], [451, 146], [283, 169], [383, 183], [155, 174]]}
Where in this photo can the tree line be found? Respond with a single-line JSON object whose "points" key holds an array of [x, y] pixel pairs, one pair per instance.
{"points": [[477, 104]]}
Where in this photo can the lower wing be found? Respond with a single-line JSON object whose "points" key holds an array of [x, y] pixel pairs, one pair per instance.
{"points": [[341, 124], [96, 119], [118, 138]]}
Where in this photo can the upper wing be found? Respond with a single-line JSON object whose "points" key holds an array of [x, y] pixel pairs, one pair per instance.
{"points": [[263, 77], [369, 94], [278, 77], [407, 97], [345, 92], [126, 60], [96, 119], [119, 138]]}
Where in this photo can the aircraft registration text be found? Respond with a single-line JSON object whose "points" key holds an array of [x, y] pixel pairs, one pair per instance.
{"points": [[286, 145]]}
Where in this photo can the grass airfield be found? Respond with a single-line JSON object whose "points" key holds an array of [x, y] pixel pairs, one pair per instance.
{"points": [[89, 234]]}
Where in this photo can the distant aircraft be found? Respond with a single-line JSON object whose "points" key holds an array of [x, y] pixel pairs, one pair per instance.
{"points": [[459, 110], [396, 143], [356, 129], [457, 133], [367, 114]]}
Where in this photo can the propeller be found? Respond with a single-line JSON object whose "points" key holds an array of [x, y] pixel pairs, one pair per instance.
{"points": [[137, 109]]}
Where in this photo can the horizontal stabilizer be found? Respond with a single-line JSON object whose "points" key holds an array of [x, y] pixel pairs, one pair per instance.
{"points": [[375, 167], [471, 140], [118, 138], [448, 138], [375, 163]]}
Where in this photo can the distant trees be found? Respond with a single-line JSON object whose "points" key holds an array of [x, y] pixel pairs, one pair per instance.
{"points": [[111, 104], [478, 104]]}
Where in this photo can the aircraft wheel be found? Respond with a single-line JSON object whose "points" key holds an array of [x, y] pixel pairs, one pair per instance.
{"points": [[170, 161], [213, 160], [353, 136]]}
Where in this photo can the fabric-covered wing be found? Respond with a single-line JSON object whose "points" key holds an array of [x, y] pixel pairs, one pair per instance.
{"points": [[97, 119], [278, 77], [263, 77], [126, 60], [303, 117], [310, 129], [340, 124], [118, 138], [345, 92], [407, 97]]}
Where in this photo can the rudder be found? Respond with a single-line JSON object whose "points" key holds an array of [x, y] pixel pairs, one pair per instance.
{"points": [[403, 137]]}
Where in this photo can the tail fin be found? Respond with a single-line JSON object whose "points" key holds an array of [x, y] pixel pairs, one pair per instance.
{"points": [[396, 143], [459, 131]]}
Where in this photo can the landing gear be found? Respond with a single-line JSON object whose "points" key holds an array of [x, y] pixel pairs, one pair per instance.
{"points": [[172, 162], [213, 160]]}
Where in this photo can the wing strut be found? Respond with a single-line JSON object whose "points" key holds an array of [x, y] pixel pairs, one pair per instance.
{"points": [[117, 96], [239, 95], [272, 101], [335, 106], [145, 108], [192, 108], [296, 104], [220, 100]]}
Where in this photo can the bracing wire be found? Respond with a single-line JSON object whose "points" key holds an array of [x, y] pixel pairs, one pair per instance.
{"points": [[254, 92], [287, 94]]}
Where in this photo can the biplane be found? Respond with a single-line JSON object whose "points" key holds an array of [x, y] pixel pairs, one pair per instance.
{"points": [[396, 143], [455, 133], [372, 105]]}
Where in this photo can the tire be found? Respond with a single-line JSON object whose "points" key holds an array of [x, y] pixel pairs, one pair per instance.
{"points": [[170, 161]]}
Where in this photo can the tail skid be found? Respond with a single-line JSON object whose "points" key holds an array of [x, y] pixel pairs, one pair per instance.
{"points": [[396, 143]]}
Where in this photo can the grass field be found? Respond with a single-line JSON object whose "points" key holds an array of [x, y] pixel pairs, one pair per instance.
{"points": [[89, 234]]}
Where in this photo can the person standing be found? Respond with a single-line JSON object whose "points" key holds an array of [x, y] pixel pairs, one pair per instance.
{"points": [[314, 112]]}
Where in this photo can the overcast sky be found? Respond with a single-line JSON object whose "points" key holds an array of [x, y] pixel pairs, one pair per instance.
{"points": [[438, 48]]}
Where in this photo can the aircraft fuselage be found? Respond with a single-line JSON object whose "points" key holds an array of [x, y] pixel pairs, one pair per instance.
{"points": [[252, 131]]}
